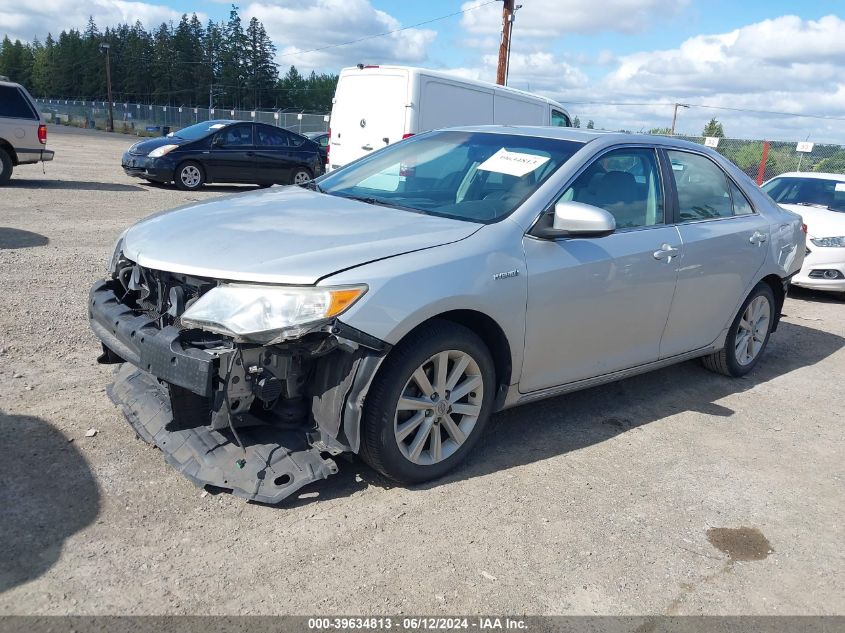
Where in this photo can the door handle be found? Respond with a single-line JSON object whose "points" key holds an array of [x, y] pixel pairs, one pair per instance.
{"points": [[758, 238], [367, 147], [250, 153], [666, 252]]}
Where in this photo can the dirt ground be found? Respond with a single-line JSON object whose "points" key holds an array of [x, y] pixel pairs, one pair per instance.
{"points": [[677, 492]]}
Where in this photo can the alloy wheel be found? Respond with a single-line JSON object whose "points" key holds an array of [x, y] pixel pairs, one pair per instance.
{"points": [[752, 330], [438, 407], [190, 176], [301, 178]]}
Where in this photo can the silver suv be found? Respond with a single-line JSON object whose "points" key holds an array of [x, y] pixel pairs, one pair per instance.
{"points": [[390, 307], [23, 134]]}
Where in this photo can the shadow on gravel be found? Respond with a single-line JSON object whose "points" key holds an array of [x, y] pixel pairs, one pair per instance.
{"points": [[47, 494], [816, 296], [18, 238], [72, 185], [544, 429], [552, 427]]}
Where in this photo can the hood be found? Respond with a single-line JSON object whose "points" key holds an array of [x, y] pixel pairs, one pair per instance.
{"points": [[820, 222], [142, 148], [286, 235]]}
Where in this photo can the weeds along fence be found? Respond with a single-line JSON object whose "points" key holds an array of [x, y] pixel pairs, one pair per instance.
{"points": [[762, 160], [153, 120]]}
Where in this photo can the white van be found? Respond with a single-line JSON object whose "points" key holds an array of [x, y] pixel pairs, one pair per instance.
{"points": [[375, 106]]}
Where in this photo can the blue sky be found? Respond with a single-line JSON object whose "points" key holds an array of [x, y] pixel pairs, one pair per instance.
{"points": [[772, 55]]}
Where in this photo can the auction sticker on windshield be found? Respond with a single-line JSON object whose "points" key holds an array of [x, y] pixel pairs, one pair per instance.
{"points": [[512, 163]]}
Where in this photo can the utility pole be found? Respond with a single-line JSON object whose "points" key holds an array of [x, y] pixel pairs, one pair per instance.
{"points": [[505, 46], [104, 48], [675, 116]]}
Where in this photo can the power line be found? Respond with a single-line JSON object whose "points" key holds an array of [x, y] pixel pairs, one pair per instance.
{"points": [[404, 28], [711, 107]]}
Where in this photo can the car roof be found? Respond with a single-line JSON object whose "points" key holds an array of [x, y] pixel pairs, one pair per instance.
{"points": [[812, 174], [586, 136]]}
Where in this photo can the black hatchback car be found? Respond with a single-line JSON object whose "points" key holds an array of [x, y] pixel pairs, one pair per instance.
{"points": [[225, 151]]}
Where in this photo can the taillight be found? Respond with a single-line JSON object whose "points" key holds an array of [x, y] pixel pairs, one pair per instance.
{"points": [[42, 134], [804, 229], [404, 136], [329, 145]]}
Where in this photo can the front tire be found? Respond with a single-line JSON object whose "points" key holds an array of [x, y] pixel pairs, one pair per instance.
{"points": [[748, 335], [189, 176], [5, 167], [429, 403]]}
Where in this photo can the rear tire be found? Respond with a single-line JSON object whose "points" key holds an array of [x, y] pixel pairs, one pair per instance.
{"points": [[443, 411], [189, 176], [5, 167], [748, 335], [301, 176]]}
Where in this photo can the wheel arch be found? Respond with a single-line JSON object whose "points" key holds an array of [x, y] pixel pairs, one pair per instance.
{"points": [[777, 285], [180, 163], [10, 150], [493, 337]]}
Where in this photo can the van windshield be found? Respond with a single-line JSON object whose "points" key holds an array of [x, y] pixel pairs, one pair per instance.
{"points": [[473, 176]]}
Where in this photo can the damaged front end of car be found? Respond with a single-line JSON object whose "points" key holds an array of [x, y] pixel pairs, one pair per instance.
{"points": [[255, 409]]}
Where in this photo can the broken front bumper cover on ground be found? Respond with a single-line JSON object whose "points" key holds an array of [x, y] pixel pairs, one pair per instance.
{"points": [[276, 462], [263, 462]]}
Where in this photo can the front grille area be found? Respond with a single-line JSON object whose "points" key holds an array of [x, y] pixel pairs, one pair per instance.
{"points": [[161, 296]]}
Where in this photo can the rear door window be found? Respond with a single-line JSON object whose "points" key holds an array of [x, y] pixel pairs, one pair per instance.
{"points": [[271, 137], [703, 192], [740, 203], [14, 105]]}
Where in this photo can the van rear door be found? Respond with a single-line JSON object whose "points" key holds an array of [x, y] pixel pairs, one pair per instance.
{"points": [[368, 113]]}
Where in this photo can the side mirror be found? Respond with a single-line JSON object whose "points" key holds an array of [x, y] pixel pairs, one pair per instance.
{"points": [[576, 219], [217, 141]]}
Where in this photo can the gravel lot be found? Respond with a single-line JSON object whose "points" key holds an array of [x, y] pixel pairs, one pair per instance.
{"points": [[622, 499]]}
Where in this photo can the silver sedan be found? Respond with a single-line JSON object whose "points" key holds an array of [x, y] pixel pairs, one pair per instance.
{"points": [[389, 308]]}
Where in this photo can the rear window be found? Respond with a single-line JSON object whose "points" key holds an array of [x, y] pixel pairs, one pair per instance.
{"points": [[14, 105]]}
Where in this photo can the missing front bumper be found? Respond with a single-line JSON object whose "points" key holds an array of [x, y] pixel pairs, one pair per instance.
{"points": [[276, 462]]}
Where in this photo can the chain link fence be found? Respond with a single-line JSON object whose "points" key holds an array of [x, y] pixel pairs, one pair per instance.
{"points": [[154, 120], [762, 160]]}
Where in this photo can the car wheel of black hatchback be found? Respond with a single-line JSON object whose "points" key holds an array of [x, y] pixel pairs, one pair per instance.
{"points": [[189, 176], [301, 176]]}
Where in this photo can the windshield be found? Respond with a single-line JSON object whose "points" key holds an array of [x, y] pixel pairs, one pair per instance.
{"points": [[474, 176], [811, 191], [196, 132]]}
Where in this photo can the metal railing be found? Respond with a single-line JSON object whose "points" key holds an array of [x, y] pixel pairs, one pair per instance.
{"points": [[151, 120]]}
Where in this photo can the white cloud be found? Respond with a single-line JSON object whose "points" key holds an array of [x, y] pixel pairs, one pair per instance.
{"points": [[785, 64], [553, 18], [535, 71], [35, 19], [302, 27]]}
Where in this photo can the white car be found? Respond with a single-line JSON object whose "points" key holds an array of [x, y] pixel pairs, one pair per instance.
{"points": [[819, 199]]}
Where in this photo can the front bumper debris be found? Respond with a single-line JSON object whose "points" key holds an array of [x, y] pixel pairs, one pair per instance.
{"points": [[261, 422], [276, 462]]}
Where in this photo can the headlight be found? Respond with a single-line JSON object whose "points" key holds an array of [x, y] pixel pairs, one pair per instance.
{"points": [[828, 241], [263, 313], [116, 252], [158, 152]]}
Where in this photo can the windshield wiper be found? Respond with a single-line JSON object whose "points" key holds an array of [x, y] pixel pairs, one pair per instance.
{"points": [[313, 186], [379, 202]]}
